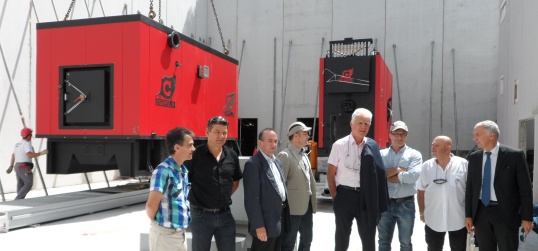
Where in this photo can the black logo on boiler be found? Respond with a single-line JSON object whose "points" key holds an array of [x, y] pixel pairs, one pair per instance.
{"points": [[230, 103], [168, 87]]}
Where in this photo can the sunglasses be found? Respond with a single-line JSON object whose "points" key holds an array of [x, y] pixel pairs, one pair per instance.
{"points": [[439, 181], [522, 236], [217, 120]]}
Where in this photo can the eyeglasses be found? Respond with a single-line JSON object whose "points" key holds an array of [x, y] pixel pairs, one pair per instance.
{"points": [[399, 135], [352, 163], [522, 236], [217, 120], [439, 181], [306, 132]]}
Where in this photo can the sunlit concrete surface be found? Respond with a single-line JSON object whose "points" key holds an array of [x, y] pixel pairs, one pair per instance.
{"points": [[127, 227]]}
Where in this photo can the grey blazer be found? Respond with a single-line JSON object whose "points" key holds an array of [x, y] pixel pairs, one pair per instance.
{"points": [[297, 181]]}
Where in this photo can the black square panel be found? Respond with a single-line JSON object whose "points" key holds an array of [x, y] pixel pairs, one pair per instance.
{"points": [[85, 97]]}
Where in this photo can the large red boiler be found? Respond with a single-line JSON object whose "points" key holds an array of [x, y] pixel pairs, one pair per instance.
{"points": [[108, 90]]}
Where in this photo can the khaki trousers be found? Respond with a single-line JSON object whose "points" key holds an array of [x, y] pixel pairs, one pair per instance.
{"points": [[163, 238]]}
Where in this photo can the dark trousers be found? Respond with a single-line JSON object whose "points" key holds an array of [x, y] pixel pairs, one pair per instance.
{"points": [[436, 240], [347, 206], [206, 224], [302, 224], [491, 230], [274, 243]]}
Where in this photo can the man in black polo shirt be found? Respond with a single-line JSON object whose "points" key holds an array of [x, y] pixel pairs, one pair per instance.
{"points": [[214, 173]]}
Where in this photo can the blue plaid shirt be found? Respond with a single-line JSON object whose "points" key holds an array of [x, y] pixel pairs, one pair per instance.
{"points": [[173, 182]]}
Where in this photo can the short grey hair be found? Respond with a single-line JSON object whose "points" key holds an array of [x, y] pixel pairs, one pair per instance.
{"points": [[362, 111], [489, 126]]}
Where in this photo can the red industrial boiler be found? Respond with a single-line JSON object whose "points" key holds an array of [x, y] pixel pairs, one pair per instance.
{"points": [[108, 90], [353, 75]]}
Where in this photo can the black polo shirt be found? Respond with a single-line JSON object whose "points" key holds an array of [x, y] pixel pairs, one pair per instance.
{"points": [[212, 182]]}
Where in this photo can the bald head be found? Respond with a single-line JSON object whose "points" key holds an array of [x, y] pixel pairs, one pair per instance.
{"points": [[441, 147]]}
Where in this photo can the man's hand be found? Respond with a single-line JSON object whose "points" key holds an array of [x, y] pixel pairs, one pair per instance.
{"points": [[392, 173], [422, 218], [44, 152], [527, 225], [9, 169], [469, 224], [261, 233]]}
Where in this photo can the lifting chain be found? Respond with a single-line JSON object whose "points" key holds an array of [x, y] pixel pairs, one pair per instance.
{"points": [[226, 51], [160, 20], [69, 10], [151, 11]]}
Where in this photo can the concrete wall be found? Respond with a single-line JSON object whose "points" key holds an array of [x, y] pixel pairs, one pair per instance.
{"points": [[259, 33], [517, 63]]}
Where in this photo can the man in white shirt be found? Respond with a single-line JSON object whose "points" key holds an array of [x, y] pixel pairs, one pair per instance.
{"points": [[21, 162], [358, 183], [441, 196]]}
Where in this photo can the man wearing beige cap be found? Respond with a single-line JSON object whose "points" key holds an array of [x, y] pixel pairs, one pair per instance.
{"points": [[301, 187], [403, 165]]}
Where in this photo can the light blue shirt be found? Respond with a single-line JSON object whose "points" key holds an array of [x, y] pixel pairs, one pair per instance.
{"points": [[408, 158]]}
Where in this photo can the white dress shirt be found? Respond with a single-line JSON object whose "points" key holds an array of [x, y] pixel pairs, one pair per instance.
{"points": [[444, 204], [277, 175], [346, 157]]}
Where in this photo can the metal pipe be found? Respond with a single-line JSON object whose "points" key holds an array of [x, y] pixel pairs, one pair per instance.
{"points": [[241, 59], [2, 191], [317, 96], [285, 88], [106, 179], [455, 102], [431, 94], [274, 84], [20, 110], [397, 82], [87, 181]]}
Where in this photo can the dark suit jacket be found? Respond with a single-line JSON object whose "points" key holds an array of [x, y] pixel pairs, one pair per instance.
{"points": [[374, 191], [512, 185], [262, 201]]}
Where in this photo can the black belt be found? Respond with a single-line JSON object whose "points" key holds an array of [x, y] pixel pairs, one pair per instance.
{"points": [[492, 203], [400, 200], [212, 210], [358, 189]]}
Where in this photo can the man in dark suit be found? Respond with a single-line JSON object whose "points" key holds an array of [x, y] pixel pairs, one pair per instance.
{"points": [[265, 195], [498, 198]]}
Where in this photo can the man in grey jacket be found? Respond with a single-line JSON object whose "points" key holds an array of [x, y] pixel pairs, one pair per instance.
{"points": [[301, 186]]}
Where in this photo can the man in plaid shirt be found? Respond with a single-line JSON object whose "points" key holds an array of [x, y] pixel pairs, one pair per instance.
{"points": [[167, 205]]}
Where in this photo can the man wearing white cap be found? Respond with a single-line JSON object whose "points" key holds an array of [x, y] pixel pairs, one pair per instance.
{"points": [[403, 165], [301, 187]]}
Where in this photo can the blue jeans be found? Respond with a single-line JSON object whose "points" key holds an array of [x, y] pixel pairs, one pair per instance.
{"points": [[206, 224], [302, 224], [402, 214]]}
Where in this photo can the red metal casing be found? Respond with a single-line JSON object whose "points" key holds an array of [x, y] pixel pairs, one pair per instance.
{"points": [[137, 48]]}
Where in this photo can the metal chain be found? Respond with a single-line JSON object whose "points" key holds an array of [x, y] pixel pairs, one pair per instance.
{"points": [[69, 10], [160, 20], [226, 51], [151, 11]]}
